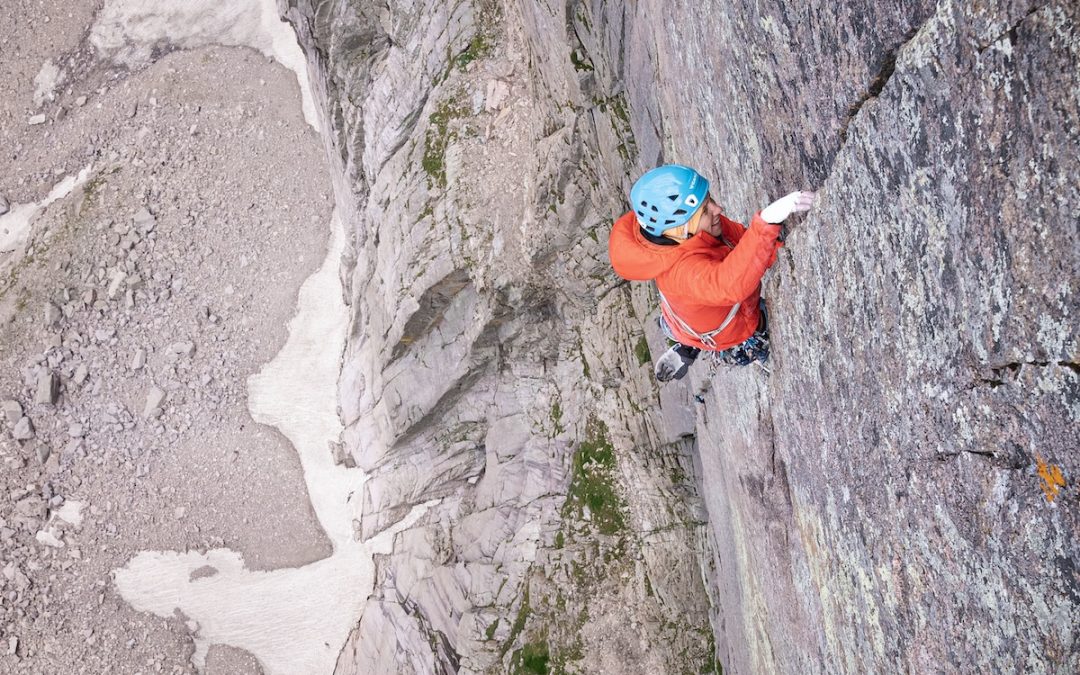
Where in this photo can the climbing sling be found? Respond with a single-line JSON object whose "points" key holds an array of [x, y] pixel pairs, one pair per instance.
{"points": [[704, 338]]}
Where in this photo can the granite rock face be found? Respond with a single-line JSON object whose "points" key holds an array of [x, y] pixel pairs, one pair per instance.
{"points": [[925, 380], [494, 365], [895, 494]]}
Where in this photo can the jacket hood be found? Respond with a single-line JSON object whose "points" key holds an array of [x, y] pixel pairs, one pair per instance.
{"points": [[636, 258]]}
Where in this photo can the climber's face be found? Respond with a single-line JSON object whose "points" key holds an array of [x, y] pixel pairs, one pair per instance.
{"points": [[710, 218], [705, 219]]}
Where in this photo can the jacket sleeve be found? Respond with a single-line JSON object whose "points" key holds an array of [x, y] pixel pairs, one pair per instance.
{"points": [[733, 230], [734, 278]]}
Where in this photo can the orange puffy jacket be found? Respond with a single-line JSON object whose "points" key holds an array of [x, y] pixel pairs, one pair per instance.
{"points": [[703, 277]]}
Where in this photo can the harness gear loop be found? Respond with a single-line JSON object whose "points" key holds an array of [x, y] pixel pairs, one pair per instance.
{"points": [[704, 338]]}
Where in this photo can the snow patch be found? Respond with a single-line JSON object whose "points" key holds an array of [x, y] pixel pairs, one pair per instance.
{"points": [[293, 620], [128, 31], [46, 82], [15, 224]]}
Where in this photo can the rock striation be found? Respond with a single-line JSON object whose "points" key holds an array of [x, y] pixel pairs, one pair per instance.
{"points": [[894, 494]]}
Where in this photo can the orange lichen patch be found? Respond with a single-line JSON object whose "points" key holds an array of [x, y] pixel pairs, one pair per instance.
{"points": [[1053, 479]]}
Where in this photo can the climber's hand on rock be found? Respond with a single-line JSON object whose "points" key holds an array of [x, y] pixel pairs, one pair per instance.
{"points": [[796, 202]]}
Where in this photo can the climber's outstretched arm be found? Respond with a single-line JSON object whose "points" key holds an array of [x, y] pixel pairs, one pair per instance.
{"points": [[734, 278]]}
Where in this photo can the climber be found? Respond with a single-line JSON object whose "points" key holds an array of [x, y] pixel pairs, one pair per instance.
{"points": [[707, 267]]}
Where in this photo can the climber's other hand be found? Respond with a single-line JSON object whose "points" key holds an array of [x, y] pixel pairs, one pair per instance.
{"points": [[796, 202]]}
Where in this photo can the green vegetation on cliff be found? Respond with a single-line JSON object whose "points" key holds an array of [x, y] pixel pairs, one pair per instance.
{"points": [[592, 486]]}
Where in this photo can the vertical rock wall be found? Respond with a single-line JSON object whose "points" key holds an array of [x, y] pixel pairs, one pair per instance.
{"points": [[924, 388], [496, 367], [875, 502]]}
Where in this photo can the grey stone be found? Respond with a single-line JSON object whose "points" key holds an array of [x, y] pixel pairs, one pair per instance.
{"points": [[183, 348], [36, 120], [497, 93], [341, 457], [18, 493], [31, 506], [80, 101], [154, 399], [144, 220], [52, 314], [139, 359], [51, 537], [76, 430], [5, 206], [43, 451], [81, 373], [116, 284], [13, 411], [48, 388]]}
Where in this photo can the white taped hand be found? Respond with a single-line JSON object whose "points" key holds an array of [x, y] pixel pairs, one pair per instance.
{"points": [[796, 202]]}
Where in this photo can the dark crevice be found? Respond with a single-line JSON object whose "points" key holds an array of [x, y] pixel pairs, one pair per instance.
{"points": [[1010, 32], [886, 69], [947, 456], [447, 659], [1071, 365], [772, 450], [1012, 369], [877, 84], [585, 61], [607, 291], [1007, 373], [409, 125]]}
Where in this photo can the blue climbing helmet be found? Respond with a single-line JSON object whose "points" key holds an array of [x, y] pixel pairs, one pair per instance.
{"points": [[667, 197]]}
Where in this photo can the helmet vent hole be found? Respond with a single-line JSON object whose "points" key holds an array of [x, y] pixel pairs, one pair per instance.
{"points": [[673, 198], [668, 222], [644, 204], [692, 200], [680, 212], [655, 210]]}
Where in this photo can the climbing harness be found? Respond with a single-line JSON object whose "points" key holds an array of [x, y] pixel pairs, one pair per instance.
{"points": [[704, 338], [755, 349]]}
